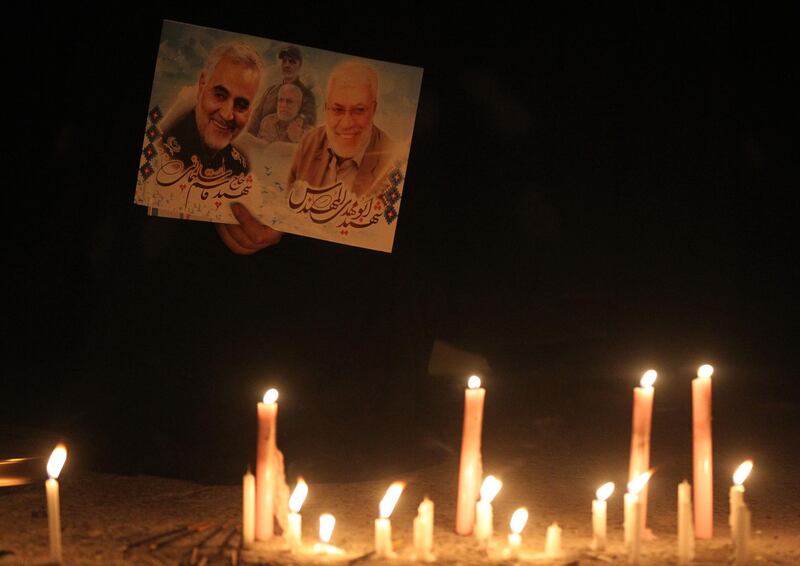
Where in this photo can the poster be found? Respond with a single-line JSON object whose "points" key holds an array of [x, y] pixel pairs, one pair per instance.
{"points": [[312, 142]]}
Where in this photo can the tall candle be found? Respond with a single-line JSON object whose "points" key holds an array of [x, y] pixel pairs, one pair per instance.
{"points": [[248, 508], [517, 523], [484, 515], [294, 533], [599, 513], [383, 527], [265, 465], [423, 531], [703, 461], [640, 433], [54, 465], [685, 526], [552, 544], [634, 524], [471, 466]]}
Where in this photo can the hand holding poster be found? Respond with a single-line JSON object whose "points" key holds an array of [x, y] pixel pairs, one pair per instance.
{"points": [[312, 142]]}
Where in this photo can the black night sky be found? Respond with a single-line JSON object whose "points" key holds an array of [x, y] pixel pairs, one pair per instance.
{"points": [[597, 190]]}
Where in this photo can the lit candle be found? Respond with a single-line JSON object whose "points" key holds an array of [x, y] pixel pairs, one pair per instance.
{"points": [[634, 525], [552, 544], [736, 494], [703, 480], [54, 465], [640, 433], [383, 526], [471, 466], [265, 465], [517, 523], [685, 526], [326, 524], [294, 534], [423, 531], [739, 518], [248, 508], [484, 515], [599, 509]]}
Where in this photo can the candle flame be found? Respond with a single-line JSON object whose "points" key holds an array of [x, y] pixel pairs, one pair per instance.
{"points": [[742, 472], [604, 491], [490, 488], [56, 461], [637, 484], [390, 499], [326, 524], [706, 370], [648, 378], [270, 396], [518, 520], [474, 382], [298, 495]]}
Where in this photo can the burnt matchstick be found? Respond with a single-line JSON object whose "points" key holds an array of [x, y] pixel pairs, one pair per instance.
{"points": [[154, 537], [193, 553], [198, 528], [226, 542]]}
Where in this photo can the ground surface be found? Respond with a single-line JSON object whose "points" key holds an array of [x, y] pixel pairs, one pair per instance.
{"points": [[551, 457]]}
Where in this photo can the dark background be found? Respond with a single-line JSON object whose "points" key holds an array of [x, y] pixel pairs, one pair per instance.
{"points": [[591, 192]]}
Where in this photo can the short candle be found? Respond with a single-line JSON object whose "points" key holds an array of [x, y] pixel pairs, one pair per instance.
{"points": [[326, 524], [383, 527], [634, 524], [54, 466], [518, 521], [294, 534], [740, 518], [484, 515], [599, 515]]}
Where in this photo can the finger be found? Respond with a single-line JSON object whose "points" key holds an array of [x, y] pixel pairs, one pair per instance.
{"points": [[224, 231], [255, 233]]}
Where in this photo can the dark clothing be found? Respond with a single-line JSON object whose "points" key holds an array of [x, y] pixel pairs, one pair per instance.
{"points": [[183, 142]]}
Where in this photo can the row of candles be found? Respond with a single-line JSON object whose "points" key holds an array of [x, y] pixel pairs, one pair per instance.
{"points": [[474, 513], [475, 493]]}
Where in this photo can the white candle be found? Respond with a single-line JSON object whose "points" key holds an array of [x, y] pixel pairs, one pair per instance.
{"points": [[599, 512], [54, 465], [640, 432], [265, 465], [294, 532], [471, 465], [423, 531], [484, 515], [703, 460], [634, 524], [552, 545], [739, 518], [326, 524], [685, 525], [248, 508], [383, 527], [518, 521], [736, 493], [741, 535]]}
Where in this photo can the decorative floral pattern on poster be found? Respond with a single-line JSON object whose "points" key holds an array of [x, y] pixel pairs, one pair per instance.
{"points": [[311, 141]]}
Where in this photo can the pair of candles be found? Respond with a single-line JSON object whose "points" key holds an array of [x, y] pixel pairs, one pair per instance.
{"points": [[701, 443], [293, 535]]}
